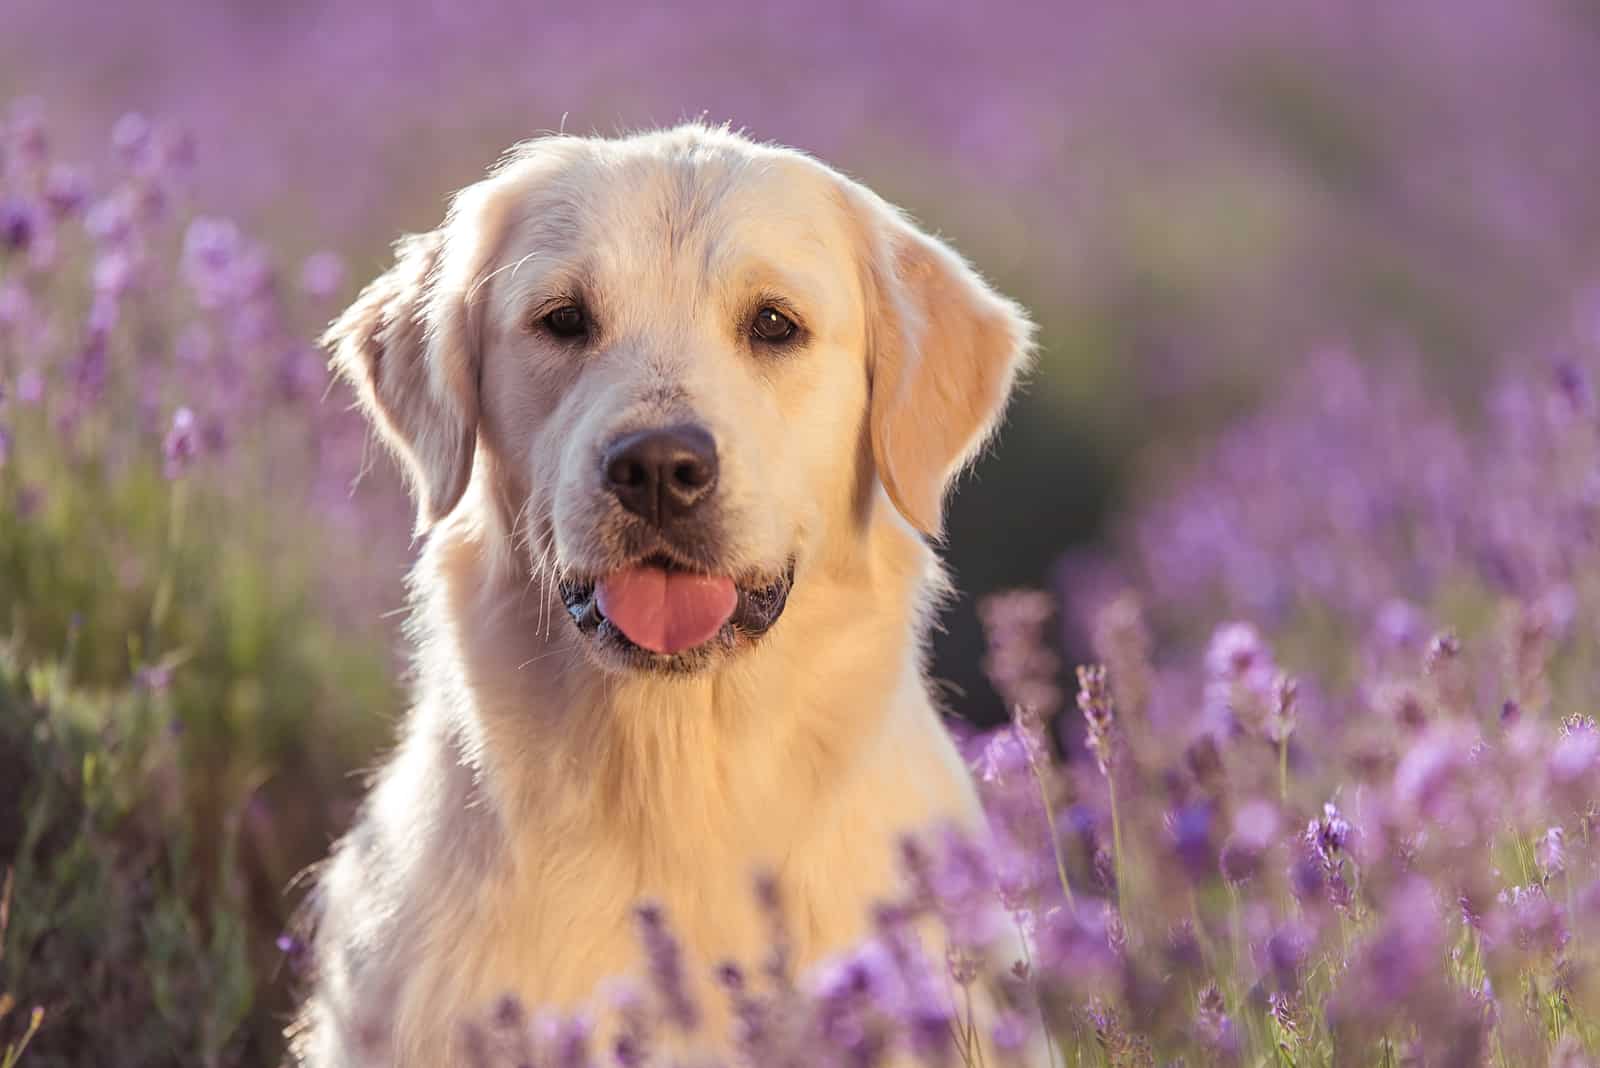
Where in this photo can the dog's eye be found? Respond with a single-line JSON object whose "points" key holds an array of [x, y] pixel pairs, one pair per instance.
{"points": [[772, 326], [567, 321]]}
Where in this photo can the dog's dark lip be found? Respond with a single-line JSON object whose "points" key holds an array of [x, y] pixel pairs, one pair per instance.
{"points": [[761, 602]]}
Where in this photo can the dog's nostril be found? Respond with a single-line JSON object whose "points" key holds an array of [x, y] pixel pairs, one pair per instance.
{"points": [[662, 474], [692, 474], [625, 471]]}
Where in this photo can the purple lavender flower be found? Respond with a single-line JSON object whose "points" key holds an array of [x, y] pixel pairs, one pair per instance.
{"points": [[215, 261], [1099, 712], [1577, 752], [475, 1044], [182, 444], [1011, 1032], [157, 679], [1442, 650], [1399, 625], [17, 225], [1189, 829], [113, 274], [66, 191], [1329, 835], [1242, 680], [962, 886], [570, 1044], [1213, 1027], [1003, 757], [29, 138], [1427, 778], [131, 139], [1074, 944], [1551, 853], [667, 974], [630, 1046], [769, 899], [1288, 1013], [1529, 920], [1287, 949], [16, 307], [322, 275], [1285, 710], [1255, 828], [852, 994], [110, 220]]}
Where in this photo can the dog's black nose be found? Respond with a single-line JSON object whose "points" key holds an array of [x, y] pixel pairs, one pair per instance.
{"points": [[662, 475]]}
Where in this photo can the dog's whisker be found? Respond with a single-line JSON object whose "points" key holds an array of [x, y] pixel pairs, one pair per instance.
{"points": [[534, 545], [539, 659], [536, 538], [472, 293]]}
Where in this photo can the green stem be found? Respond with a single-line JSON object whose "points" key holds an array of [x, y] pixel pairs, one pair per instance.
{"points": [[1055, 839], [1050, 1045], [1283, 770], [164, 588], [13, 1054], [1116, 837]]}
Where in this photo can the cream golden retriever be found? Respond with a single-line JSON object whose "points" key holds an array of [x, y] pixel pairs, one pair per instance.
{"points": [[680, 411]]}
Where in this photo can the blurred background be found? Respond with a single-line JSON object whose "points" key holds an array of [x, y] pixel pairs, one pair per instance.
{"points": [[1192, 199]]}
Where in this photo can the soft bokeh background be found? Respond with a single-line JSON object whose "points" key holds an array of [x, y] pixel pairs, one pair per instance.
{"points": [[1191, 198]]}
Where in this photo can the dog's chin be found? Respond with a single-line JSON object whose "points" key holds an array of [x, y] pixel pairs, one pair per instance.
{"points": [[761, 601]]}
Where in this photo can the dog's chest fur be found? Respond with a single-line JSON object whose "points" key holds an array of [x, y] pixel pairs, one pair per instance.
{"points": [[527, 812]]}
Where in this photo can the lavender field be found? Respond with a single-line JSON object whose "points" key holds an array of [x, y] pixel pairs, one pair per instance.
{"points": [[1281, 692]]}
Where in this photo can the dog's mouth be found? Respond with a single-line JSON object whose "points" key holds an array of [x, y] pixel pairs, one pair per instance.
{"points": [[664, 613]]}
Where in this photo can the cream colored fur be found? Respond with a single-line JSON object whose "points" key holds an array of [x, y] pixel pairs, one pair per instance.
{"points": [[538, 792]]}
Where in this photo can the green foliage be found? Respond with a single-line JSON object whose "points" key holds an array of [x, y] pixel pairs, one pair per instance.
{"points": [[176, 731]]}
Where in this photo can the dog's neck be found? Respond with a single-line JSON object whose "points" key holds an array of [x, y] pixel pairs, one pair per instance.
{"points": [[546, 726]]}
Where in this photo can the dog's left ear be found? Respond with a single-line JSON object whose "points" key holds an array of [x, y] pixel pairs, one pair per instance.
{"points": [[945, 350]]}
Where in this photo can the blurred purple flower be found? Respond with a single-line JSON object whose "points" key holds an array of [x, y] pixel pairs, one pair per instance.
{"points": [[667, 974], [113, 274], [182, 443], [1577, 752], [1529, 920], [295, 951], [1241, 681], [1213, 1027], [157, 678], [1328, 835], [131, 140], [1189, 830], [66, 191], [323, 275], [1287, 948], [16, 307], [1551, 853], [17, 224], [110, 219], [1099, 712]]}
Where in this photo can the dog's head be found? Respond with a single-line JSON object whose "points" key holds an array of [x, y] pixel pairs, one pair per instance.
{"points": [[679, 366]]}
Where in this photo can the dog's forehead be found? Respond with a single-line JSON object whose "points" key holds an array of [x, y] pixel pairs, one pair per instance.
{"points": [[714, 207]]}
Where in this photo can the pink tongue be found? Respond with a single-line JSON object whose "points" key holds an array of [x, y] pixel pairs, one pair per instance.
{"points": [[666, 611]]}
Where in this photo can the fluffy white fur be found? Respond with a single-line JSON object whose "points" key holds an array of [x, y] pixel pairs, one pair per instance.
{"points": [[538, 791]]}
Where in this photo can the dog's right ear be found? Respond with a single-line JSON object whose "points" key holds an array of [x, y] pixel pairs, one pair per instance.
{"points": [[404, 346]]}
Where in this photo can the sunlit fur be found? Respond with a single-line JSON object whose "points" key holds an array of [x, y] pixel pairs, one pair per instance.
{"points": [[538, 791]]}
